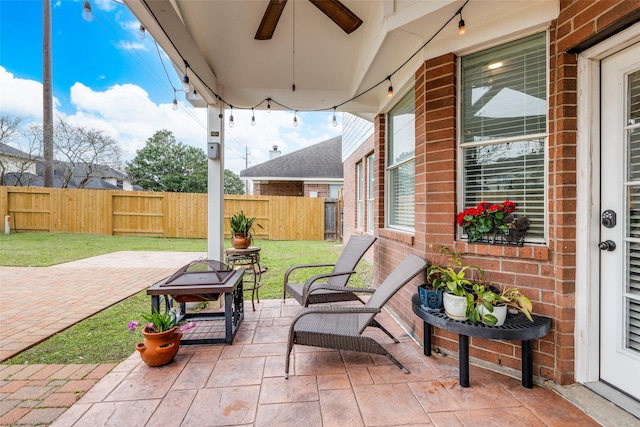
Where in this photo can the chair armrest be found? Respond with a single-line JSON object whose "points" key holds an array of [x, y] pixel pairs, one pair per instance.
{"points": [[329, 287], [334, 310], [296, 267], [306, 290]]}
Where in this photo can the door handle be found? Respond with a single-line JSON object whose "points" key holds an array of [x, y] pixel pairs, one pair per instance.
{"points": [[607, 245]]}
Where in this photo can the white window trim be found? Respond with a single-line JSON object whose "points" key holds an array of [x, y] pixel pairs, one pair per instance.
{"points": [[461, 146]]}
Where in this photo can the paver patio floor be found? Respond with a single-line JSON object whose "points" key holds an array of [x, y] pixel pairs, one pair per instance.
{"points": [[243, 383]]}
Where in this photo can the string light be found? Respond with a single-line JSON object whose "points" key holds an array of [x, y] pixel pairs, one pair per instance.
{"points": [[253, 118], [141, 32], [174, 105], [87, 15], [461, 27], [185, 80]]}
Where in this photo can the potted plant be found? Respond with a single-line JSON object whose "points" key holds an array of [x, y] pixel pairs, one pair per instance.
{"points": [[161, 337], [451, 278], [490, 307], [241, 227]]}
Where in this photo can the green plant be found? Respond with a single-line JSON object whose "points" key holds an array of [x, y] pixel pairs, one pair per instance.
{"points": [[487, 218], [484, 297], [487, 298], [515, 299], [241, 224], [448, 274], [160, 322]]}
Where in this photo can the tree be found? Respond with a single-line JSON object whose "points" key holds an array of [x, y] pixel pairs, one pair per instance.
{"points": [[166, 165], [20, 165], [232, 183], [83, 153]]}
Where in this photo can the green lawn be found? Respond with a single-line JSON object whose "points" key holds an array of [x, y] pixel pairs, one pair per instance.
{"points": [[104, 338]]}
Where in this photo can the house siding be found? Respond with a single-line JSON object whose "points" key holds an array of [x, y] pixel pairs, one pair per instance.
{"points": [[545, 273]]}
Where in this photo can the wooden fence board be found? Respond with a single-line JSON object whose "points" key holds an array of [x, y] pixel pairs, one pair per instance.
{"points": [[139, 213]]}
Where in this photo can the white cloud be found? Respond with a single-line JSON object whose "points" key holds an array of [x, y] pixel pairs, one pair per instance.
{"points": [[105, 5], [129, 45], [21, 97], [127, 114]]}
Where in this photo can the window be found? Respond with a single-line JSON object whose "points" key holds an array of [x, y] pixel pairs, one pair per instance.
{"points": [[370, 176], [401, 143], [360, 196], [504, 127]]}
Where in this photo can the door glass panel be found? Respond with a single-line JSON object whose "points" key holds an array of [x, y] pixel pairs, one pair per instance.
{"points": [[632, 291]]}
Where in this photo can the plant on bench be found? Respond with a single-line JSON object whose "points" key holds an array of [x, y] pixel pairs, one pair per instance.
{"points": [[466, 297], [490, 307]]}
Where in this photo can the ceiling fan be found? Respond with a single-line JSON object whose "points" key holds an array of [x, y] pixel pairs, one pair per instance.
{"points": [[335, 10]]}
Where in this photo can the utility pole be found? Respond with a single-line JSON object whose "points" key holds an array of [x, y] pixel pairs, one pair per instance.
{"points": [[246, 165], [47, 96]]}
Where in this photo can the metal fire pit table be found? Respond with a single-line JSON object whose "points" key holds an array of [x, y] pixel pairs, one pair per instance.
{"points": [[204, 285]]}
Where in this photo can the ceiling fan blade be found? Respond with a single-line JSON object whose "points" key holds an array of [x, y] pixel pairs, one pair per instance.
{"points": [[270, 19], [339, 14]]}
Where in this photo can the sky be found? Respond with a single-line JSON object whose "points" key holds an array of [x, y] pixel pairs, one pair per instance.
{"points": [[105, 77]]}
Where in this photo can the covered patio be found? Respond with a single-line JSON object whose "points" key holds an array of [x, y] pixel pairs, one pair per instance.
{"points": [[243, 384]]}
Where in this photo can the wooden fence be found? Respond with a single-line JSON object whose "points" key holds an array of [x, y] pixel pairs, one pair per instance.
{"points": [[139, 213]]}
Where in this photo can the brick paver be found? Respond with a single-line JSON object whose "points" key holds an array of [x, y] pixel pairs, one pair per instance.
{"points": [[38, 394]]}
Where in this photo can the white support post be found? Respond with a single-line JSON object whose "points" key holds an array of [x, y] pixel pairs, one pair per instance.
{"points": [[215, 192]]}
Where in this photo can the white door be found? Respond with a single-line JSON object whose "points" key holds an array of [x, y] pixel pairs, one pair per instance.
{"points": [[620, 221]]}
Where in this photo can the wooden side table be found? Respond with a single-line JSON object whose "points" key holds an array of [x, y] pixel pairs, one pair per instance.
{"points": [[249, 260]]}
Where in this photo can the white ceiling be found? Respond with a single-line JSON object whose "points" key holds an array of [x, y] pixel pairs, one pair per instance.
{"points": [[216, 38]]}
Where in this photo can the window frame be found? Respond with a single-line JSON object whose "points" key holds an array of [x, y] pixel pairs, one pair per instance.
{"points": [[388, 169], [360, 195], [461, 145], [370, 199]]}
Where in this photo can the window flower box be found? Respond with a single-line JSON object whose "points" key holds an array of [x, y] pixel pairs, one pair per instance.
{"points": [[494, 224]]}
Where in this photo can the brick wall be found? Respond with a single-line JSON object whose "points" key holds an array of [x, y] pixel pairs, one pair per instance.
{"points": [[279, 188], [349, 194], [321, 189], [546, 274]]}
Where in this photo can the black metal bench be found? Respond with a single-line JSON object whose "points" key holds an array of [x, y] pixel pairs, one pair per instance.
{"points": [[516, 327]]}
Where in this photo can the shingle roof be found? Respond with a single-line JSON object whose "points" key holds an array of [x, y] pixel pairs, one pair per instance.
{"points": [[322, 160], [9, 150]]}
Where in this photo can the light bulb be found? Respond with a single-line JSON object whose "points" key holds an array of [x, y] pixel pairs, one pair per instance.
{"points": [[141, 32], [461, 27], [174, 105], [390, 92], [269, 105], [86, 11], [231, 120], [295, 121], [253, 118], [334, 120], [185, 84]]}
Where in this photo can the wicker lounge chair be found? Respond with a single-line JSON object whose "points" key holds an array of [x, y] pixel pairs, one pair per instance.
{"points": [[341, 327], [333, 285]]}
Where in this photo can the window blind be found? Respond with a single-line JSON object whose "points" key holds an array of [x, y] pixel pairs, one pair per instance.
{"points": [[504, 97]]}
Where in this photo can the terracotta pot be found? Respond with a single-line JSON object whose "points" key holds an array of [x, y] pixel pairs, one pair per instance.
{"points": [[239, 241], [160, 348]]}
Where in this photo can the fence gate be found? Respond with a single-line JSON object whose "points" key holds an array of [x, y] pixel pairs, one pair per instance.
{"points": [[331, 219]]}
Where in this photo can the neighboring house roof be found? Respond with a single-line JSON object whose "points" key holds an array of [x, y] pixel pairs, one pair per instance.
{"points": [[10, 151], [322, 160]]}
